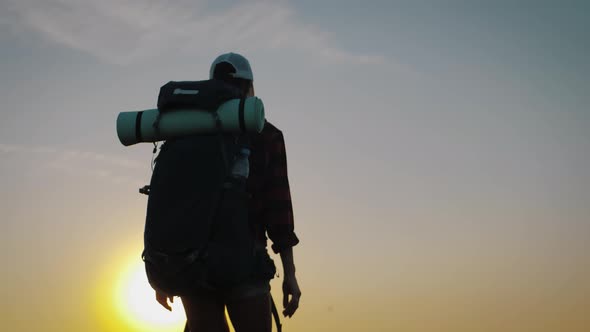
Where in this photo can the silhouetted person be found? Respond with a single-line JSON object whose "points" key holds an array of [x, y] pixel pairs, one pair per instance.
{"points": [[270, 214]]}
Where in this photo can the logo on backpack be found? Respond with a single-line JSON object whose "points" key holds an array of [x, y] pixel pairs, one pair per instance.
{"points": [[179, 91]]}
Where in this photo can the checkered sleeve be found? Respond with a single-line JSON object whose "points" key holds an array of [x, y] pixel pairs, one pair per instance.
{"points": [[278, 207]]}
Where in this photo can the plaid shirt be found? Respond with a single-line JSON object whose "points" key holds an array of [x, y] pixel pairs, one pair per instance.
{"points": [[271, 210]]}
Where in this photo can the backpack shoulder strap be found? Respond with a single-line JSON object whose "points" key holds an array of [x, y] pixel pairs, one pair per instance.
{"points": [[221, 140]]}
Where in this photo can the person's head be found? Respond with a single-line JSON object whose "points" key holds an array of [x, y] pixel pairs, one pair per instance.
{"points": [[233, 69]]}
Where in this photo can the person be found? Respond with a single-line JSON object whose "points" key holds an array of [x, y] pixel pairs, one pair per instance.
{"points": [[270, 216]]}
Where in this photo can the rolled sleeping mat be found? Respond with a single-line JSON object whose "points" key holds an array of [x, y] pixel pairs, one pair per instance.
{"points": [[137, 127]]}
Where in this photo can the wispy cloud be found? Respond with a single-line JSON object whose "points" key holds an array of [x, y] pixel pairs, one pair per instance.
{"points": [[122, 31], [73, 154], [87, 163]]}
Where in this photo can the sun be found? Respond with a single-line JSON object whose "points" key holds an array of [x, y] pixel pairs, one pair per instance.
{"points": [[136, 303]]}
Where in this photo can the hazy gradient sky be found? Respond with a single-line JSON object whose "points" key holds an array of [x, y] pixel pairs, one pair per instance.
{"points": [[438, 155]]}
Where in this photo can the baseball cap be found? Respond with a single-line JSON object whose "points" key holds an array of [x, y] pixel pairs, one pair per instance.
{"points": [[239, 62]]}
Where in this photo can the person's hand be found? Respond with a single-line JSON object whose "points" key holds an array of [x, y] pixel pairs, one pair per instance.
{"points": [[163, 300], [290, 287]]}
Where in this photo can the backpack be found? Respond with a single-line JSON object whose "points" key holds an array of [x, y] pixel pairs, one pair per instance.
{"points": [[197, 235]]}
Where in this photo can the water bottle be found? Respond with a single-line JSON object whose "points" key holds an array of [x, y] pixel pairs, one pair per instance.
{"points": [[241, 167]]}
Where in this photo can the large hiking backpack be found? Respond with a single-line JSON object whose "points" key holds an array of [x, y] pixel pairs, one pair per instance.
{"points": [[197, 235]]}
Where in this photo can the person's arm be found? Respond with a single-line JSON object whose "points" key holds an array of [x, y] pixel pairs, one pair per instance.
{"points": [[290, 285], [278, 216]]}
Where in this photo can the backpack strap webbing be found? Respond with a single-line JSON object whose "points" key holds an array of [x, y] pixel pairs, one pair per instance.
{"points": [[275, 314], [219, 131], [241, 115]]}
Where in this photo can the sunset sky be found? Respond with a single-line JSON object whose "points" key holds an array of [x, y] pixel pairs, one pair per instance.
{"points": [[438, 152]]}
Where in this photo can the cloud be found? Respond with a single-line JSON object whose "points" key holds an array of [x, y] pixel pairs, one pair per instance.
{"points": [[70, 154], [93, 172], [76, 162], [124, 31], [9, 148]]}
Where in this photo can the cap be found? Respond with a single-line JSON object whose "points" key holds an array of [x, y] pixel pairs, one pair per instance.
{"points": [[239, 62]]}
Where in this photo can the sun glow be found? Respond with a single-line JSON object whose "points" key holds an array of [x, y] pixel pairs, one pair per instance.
{"points": [[136, 303]]}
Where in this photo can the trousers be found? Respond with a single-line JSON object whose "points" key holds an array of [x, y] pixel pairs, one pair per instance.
{"points": [[248, 307]]}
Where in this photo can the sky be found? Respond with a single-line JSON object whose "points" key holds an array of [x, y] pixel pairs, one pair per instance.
{"points": [[438, 157]]}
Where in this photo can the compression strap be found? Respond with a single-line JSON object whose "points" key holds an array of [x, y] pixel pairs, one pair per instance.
{"points": [[275, 314], [138, 137], [241, 115]]}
